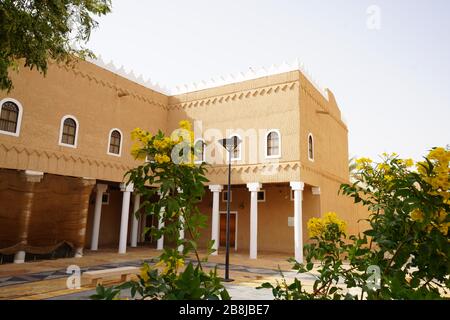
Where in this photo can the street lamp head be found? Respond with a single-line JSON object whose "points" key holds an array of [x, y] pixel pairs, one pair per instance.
{"points": [[231, 143]]}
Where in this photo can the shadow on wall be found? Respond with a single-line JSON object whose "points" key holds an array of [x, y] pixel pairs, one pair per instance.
{"points": [[41, 218]]}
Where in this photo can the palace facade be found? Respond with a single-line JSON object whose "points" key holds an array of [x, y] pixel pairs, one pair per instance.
{"points": [[65, 146]]}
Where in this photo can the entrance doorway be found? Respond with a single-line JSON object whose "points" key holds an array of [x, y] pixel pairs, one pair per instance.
{"points": [[233, 229]]}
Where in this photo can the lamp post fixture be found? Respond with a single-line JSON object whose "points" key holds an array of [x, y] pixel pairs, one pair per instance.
{"points": [[230, 145]]}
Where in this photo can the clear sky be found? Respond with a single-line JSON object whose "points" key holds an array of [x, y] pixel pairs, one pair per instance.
{"points": [[390, 76]]}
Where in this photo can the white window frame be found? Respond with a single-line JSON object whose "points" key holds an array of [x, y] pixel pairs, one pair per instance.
{"points": [[204, 150], [109, 142], [264, 192], [77, 131], [310, 135], [223, 195], [19, 116], [239, 158], [266, 146]]}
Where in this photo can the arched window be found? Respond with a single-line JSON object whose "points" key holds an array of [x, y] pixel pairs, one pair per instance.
{"points": [[69, 131], [199, 151], [273, 144], [310, 147], [237, 142], [115, 142], [10, 116]]}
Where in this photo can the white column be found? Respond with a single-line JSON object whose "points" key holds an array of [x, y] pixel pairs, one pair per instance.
{"points": [[135, 221], [253, 188], [126, 189], [31, 177], [79, 253], [215, 216], [160, 242], [298, 187], [181, 247], [101, 188], [19, 257]]}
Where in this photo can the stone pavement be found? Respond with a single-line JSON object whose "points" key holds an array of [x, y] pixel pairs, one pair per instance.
{"points": [[47, 279]]}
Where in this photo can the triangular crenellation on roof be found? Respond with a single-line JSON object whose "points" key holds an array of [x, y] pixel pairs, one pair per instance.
{"points": [[214, 82]]}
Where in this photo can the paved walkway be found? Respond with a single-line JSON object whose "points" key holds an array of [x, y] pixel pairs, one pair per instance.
{"points": [[47, 279]]}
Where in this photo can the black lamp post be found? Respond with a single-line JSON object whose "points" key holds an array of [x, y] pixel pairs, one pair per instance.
{"points": [[230, 145]]}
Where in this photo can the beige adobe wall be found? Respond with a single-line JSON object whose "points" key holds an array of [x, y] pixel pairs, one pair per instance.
{"points": [[330, 166], [90, 94], [260, 104], [343, 205], [330, 134]]}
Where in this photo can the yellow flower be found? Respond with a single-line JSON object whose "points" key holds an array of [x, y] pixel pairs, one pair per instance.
{"points": [[317, 227], [185, 124], [179, 264], [161, 158], [361, 163], [383, 166], [331, 217], [408, 162], [417, 215], [162, 144], [137, 152], [437, 154], [136, 133], [144, 272], [443, 228]]}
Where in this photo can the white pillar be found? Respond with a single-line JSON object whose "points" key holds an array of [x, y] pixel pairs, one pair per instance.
{"points": [[19, 257], [298, 187], [135, 221], [101, 188], [31, 177], [253, 188], [160, 242], [79, 253], [215, 216], [126, 189], [181, 247]]}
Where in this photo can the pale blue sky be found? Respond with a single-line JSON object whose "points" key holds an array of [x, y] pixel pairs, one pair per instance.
{"points": [[391, 84]]}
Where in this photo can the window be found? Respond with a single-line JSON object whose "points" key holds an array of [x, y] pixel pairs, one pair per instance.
{"points": [[105, 198], [199, 151], [273, 144], [310, 147], [115, 142], [225, 196], [69, 131], [261, 196], [236, 153], [10, 116]]}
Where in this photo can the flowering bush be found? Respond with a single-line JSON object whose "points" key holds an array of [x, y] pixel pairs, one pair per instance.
{"points": [[328, 228], [405, 252], [170, 175]]}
